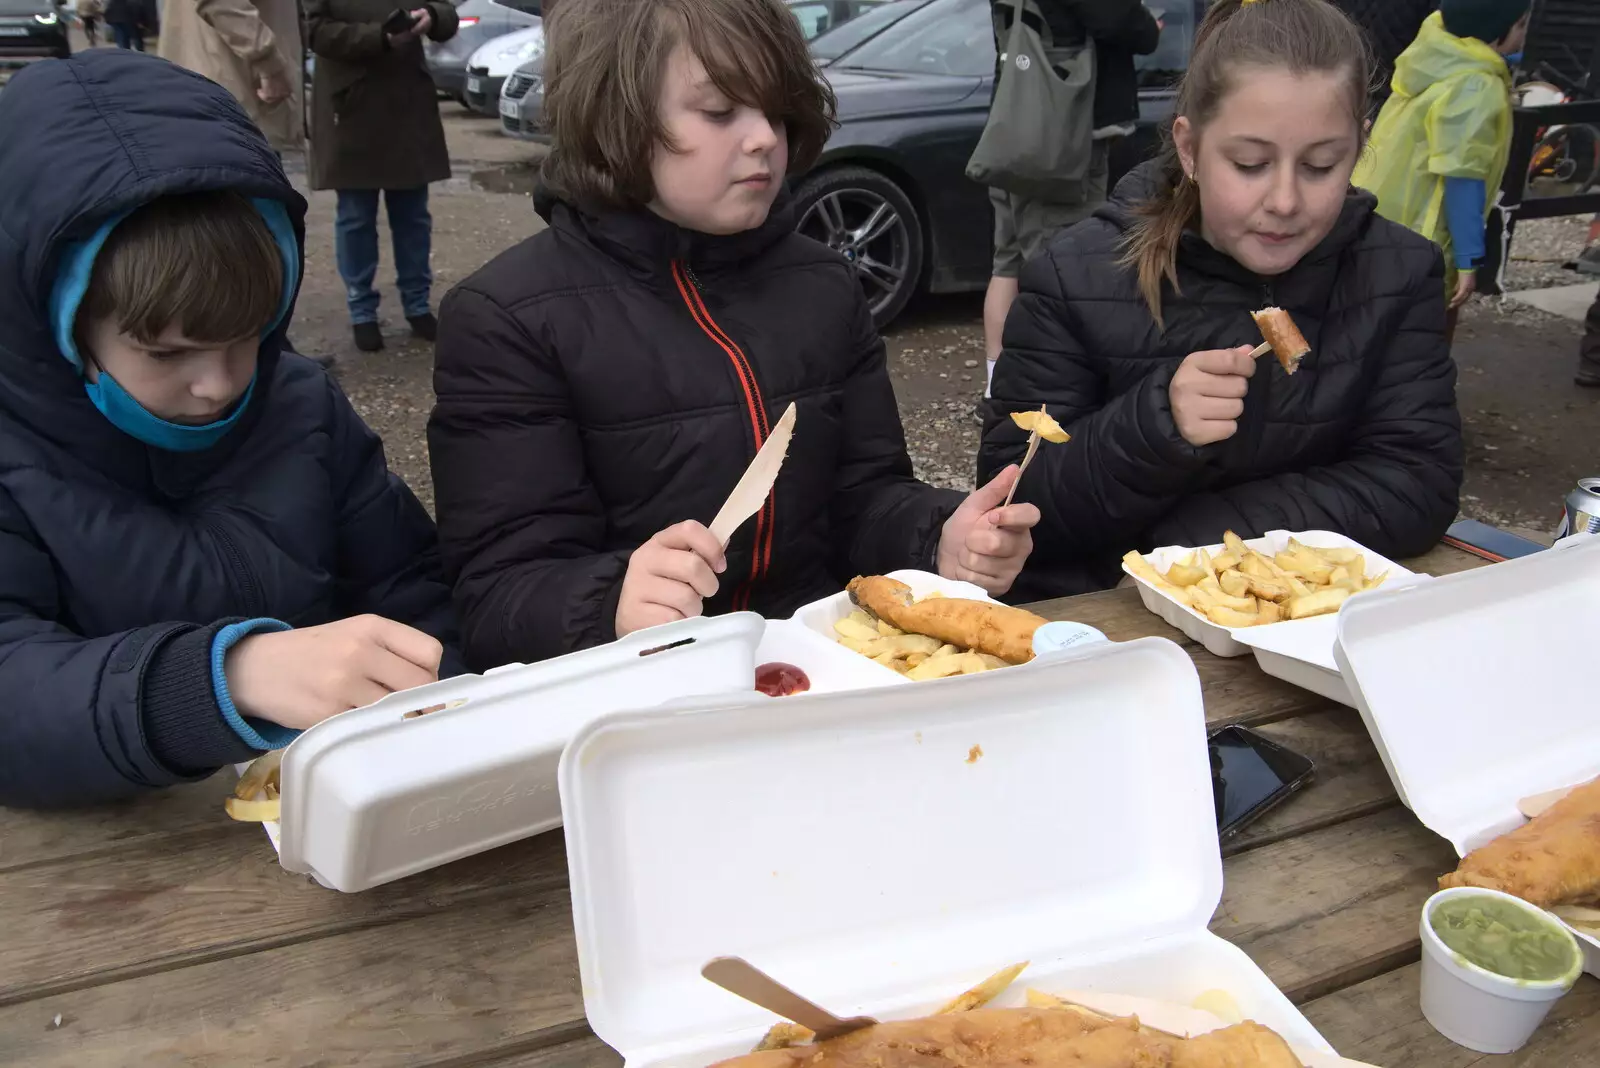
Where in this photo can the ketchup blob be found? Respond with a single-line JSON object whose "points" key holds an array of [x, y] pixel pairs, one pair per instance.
{"points": [[781, 680]]}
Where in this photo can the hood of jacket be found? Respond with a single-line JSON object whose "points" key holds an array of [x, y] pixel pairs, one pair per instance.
{"points": [[1438, 55], [83, 142]]}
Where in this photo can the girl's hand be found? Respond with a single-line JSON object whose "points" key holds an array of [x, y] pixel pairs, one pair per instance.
{"points": [[986, 544], [298, 678], [669, 577], [1208, 392]]}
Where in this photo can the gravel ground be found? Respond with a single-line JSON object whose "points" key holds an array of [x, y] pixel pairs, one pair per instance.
{"points": [[1526, 423]]}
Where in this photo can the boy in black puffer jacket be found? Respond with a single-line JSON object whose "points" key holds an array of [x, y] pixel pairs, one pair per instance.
{"points": [[603, 385], [1135, 328], [177, 494]]}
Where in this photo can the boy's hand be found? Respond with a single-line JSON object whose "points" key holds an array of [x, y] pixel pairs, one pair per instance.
{"points": [[1466, 285], [1208, 392], [669, 577], [298, 678], [986, 544]]}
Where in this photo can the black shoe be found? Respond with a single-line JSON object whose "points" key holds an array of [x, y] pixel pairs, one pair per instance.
{"points": [[1587, 379], [369, 336], [424, 326]]}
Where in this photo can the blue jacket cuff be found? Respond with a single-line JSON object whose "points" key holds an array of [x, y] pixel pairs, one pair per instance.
{"points": [[258, 734]]}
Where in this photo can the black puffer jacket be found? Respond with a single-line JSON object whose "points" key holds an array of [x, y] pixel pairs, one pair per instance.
{"points": [[1365, 439], [612, 376], [119, 562]]}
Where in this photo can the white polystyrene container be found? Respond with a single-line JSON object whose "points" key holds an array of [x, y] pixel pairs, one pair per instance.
{"points": [[1474, 1007], [1471, 686], [370, 796], [884, 849], [1299, 651]]}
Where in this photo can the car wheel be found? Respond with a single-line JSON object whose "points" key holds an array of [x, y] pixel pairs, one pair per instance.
{"points": [[869, 220]]}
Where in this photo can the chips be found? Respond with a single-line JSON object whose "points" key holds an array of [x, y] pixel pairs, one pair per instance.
{"points": [[1040, 422], [1243, 588], [785, 1035], [1579, 918], [255, 796], [916, 656]]}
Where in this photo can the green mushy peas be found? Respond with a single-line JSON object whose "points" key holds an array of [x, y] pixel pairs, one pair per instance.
{"points": [[1503, 938]]}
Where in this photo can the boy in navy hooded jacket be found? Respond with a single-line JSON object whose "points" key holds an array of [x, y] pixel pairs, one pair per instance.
{"points": [[202, 550]]}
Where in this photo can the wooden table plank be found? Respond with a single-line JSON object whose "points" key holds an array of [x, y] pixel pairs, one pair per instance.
{"points": [[1335, 907], [587, 1052], [1349, 781], [31, 838], [1381, 1021], [429, 989], [152, 908]]}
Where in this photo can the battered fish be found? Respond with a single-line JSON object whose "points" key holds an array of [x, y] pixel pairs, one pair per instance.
{"points": [[982, 626], [1553, 859], [1030, 1038]]}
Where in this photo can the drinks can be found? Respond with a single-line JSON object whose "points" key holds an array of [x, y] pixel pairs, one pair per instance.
{"points": [[1580, 513]]}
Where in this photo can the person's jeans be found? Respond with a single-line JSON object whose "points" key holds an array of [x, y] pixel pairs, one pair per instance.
{"points": [[356, 249], [127, 35]]}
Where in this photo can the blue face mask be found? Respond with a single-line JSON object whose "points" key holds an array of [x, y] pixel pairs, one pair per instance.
{"points": [[106, 394], [1513, 59], [135, 420]]}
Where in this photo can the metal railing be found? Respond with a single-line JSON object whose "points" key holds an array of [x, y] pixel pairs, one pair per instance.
{"points": [[1514, 205]]}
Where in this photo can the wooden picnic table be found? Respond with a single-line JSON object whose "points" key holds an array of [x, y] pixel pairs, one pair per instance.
{"points": [[160, 933]]}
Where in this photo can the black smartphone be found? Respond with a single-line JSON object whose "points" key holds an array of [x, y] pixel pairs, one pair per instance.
{"points": [[398, 22], [1491, 543], [1250, 776]]}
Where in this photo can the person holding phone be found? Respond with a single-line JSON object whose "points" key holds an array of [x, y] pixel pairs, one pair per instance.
{"points": [[375, 131]]}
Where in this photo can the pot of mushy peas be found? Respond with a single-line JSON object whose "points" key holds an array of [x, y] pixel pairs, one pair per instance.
{"points": [[1492, 966]]}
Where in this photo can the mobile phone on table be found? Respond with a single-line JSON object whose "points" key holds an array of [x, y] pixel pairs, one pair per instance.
{"points": [[1491, 543], [1251, 775], [398, 22]]}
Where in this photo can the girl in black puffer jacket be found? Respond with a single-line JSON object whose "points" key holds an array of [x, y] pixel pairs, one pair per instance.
{"points": [[1135, 328], [602, 386]]}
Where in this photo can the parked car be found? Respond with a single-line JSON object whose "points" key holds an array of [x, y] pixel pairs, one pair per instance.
{"points": [[819, 16], [32, 29], [834, 44], [890, 191], [481, 21], [493, 63]]}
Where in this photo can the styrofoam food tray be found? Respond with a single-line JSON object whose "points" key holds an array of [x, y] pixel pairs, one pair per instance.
{"points": [[1299, 651], [1471, 687], [882, 850], [369, 797], [816, 621]]}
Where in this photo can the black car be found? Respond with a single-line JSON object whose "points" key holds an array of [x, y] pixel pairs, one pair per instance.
{"points": [[890, 191], [33, 28]]}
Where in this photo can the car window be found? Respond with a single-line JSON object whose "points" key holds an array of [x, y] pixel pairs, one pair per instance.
{"points": [[814, 18], [946, 37], [24, 7], [1179, 19], [835, 42]]}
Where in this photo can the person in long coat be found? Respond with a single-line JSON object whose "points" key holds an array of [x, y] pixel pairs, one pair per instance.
{"points": [[252, 49], [375, 128]]}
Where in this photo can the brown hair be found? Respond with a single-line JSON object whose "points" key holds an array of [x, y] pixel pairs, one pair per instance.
{"points": [[1303, 36], [205, 262], [606, 62]]}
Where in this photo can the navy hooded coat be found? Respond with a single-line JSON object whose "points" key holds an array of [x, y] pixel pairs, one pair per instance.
{"points": [[119, 562]]}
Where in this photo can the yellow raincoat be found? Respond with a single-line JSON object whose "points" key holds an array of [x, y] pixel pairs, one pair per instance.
{"points": [[1449, 117]]}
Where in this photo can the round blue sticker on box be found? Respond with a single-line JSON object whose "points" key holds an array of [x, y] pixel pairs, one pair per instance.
{"points": [[1060, 636]]}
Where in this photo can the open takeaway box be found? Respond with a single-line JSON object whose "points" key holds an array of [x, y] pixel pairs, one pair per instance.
{"points": [[442, 772], [1470, 687], [880, 849]]}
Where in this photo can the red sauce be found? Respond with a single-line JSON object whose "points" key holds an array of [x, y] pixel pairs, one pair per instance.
{"points": [[781, 680]]}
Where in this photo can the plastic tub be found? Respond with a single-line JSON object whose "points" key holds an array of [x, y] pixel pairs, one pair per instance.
{"points": [[1476, 1008]]}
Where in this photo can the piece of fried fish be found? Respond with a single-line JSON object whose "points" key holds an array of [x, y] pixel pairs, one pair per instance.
{"points": [[1553, 859], [1030, 1038]]}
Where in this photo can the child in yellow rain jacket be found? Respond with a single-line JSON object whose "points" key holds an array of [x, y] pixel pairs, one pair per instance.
{"points": [[1442, 140]]}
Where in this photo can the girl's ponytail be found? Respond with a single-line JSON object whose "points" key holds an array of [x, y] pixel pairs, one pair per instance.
{"points": [[1152, 245], [1299, 35]]}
